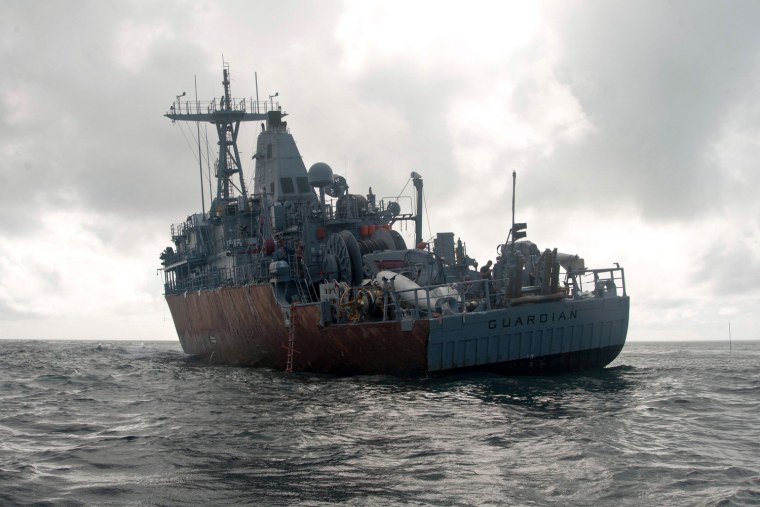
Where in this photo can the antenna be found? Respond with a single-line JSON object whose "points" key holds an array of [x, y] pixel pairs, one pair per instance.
{"points": [[517, 231], [198, 131], [208, 163], [514, 184], [729, 338], [256, 80]]}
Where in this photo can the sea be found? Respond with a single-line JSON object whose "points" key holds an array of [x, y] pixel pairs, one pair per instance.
{"points": [[140, 423]]}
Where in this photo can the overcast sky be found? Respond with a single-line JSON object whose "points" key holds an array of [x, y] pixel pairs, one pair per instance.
{"points": [[634, 128]]}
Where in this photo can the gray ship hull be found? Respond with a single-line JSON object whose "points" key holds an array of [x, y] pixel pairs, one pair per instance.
{"points": [[246, 326], [544, 338]]}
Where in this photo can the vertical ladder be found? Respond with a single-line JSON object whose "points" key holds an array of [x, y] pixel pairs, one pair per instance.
{"points": [[291, 339], [302, 278], [309, 282]]}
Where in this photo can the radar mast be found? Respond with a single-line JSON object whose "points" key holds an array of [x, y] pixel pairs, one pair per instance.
{"points": [[226, 115]]}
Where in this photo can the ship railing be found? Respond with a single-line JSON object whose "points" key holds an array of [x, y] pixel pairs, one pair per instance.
{"points": [[250, 273], [178, 229], [404, 201], [486, 294], [194, 283], [604, 282], [348, 208], [221, 277], [329, 211], [182, 228], [184, 253], [238, 105]]}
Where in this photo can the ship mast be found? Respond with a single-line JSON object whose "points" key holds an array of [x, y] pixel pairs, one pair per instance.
{"points": [[226, 117], [517, 231]]}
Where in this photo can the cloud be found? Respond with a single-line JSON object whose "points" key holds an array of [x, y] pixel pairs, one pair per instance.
{"points": [[730, 268], [74, 132], [656, 80], [633, 127]]}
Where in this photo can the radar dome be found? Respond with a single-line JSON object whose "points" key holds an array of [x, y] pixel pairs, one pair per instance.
{"points": [[320, 174]]}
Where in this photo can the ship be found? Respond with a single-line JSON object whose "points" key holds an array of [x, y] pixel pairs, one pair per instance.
{"points": [[298, 274]]}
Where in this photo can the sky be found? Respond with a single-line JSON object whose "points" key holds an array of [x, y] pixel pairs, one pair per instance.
{"points": [[634, 128]]}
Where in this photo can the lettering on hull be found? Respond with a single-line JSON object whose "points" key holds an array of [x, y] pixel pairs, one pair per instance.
{"points": [[531, 320]]}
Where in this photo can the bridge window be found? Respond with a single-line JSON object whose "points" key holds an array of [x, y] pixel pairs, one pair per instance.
{"points": [[269, 151], [286, 185]]}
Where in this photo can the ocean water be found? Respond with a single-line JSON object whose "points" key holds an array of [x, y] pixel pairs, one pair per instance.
{"points": [[117, 423]]}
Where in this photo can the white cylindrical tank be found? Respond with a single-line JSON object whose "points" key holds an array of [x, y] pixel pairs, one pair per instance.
{"points": [[440, 298]]}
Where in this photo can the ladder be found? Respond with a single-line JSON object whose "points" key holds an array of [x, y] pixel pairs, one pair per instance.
{"points": [[291, 339], [299, 273]]}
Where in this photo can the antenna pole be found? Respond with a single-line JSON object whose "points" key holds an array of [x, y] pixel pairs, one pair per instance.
{"points": [[256, 80], [417, 180], [514, 184], [200, 160], [729, 338], [208, 165]]}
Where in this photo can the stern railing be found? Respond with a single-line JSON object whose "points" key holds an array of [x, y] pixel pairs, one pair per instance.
{"points": [[483, 295], [603, 282]]}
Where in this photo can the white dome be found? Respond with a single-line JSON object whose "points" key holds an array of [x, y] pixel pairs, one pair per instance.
{"points": [[320, 174]]}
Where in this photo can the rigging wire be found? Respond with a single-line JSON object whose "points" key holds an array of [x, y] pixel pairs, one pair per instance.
{"points": [[208, 166], [190, 145], [402, 190], [250, 182], [188, 136], [427, 217], [195, 154]]}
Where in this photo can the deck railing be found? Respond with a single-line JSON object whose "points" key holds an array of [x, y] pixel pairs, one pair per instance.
{"points": [[600, 282], [483, 294], [237, 105], [220, 277]]}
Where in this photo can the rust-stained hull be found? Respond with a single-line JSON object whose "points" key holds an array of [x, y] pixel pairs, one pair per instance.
{"points": [[245, 326]]}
